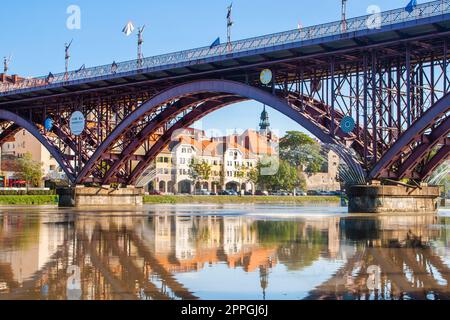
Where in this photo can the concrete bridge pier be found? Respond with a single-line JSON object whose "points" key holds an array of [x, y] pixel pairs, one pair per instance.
{"points": [[105, 196], [378, 198]]}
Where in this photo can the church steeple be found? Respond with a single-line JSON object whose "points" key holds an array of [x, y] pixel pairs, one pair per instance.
{"points": [[264, 124]]}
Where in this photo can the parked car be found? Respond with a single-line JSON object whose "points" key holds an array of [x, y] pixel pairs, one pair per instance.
{"points": [[213, 194], [261, 193], [281, 193], [202, 192], [248, 193], [313, 193], [232, 193], [154, 193], [301, 194]]}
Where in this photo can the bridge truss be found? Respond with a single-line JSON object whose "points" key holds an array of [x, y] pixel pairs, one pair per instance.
{"points": [[394, 82]]}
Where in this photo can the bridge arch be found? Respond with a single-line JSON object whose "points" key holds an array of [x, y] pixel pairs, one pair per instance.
{"points": [[21, 123], [226, 92], [413, 146]]}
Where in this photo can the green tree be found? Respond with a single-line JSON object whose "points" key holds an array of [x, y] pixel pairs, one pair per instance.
{"points": [[29, 170], [287, 177], [200, 171], [253, 176], [301, 150]]}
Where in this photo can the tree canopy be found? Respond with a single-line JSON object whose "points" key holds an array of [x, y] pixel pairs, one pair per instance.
{"points": [[200, 170], [301, 150], [287, 177], [29, 170]]}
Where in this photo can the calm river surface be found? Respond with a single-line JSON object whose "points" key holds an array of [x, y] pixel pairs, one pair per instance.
{"points": [[222, 252]]}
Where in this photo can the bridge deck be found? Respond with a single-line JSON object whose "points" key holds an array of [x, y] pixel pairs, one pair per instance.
{"points": [[427, 18]]}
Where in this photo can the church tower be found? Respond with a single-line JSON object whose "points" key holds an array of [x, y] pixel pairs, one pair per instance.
{"points": [[264, 125]]}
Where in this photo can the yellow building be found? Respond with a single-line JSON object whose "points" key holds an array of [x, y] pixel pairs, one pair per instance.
{"points": [[22, 143], [231, 159]]}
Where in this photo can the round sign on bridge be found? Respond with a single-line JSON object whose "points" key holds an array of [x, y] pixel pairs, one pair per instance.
{"points": [[48, 124], [77, 123], [348, 124], [266, 76]]}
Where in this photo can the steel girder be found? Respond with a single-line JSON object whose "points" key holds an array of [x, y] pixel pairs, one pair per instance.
{"points": [[33, 130], [221, 87], [315, 110], [426, 134]]}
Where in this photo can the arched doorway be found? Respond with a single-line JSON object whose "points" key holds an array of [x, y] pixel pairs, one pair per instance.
{"points": [[232, 186], [185, 187], [205, 186], [162, 186]]}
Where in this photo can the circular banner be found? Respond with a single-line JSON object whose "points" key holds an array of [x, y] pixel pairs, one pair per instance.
{"points": [[48, 124], [77, 123], [266, 76], [348, 124]]}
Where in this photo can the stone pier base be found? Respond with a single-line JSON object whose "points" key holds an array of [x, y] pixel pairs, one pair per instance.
{"points": [[393, 199], [100, 197]]}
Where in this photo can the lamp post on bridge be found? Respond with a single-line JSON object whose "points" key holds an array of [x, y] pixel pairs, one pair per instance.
{"points": [[230, 24], [344, 15], [6, 62], [67, 58], [128, 30], [140, 42]]}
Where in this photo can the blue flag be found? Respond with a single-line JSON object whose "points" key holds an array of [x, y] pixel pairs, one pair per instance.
{"points": [[411, 6], [215, 43]]}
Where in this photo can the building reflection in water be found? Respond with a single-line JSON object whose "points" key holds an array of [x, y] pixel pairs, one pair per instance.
{"points": [[144, 257]]}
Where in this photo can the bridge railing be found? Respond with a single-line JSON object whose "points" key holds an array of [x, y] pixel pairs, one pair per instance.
{"points": [[425, 10]]}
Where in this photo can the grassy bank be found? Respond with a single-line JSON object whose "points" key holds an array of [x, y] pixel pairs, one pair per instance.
{"points": [[233, 200], [28, 200]]}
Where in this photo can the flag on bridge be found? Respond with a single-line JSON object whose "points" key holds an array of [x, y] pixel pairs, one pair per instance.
{"points": [[215, 43], [83, 67], [411, 6], [128, 29]]}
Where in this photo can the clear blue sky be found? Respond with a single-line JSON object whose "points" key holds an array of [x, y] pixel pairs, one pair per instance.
{"points": [[35, 33]]}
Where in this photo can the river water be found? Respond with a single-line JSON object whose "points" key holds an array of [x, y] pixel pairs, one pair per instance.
{"points": [[222, 252]]}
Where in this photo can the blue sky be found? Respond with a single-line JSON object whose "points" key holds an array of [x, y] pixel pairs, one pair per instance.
{"points": [[35, 33]]}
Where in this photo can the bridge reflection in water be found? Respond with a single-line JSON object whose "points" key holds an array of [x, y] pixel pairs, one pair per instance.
{"points": [[168, 256]]}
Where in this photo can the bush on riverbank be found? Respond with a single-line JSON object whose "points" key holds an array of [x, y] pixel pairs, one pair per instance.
{"points": [[232, 200], [28, 200], [29, 193]]}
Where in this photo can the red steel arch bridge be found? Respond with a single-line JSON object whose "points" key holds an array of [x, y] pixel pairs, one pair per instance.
{"points": [[391, 78]]}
